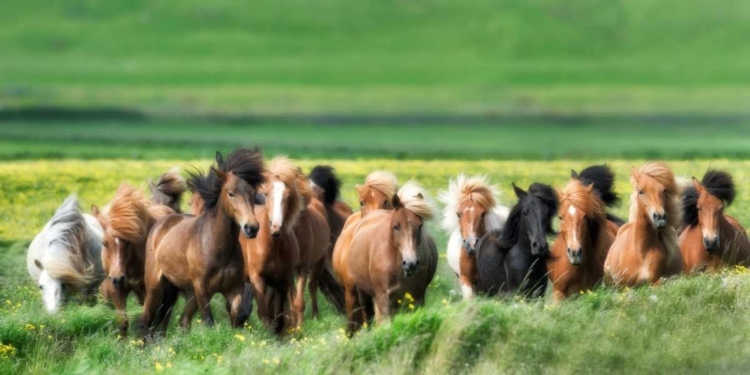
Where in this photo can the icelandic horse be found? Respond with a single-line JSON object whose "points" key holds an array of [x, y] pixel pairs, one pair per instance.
{"points": [[471, 210], [168, 189], [711, 239], [577, 256], [201, 255], [391, 254], [645, 249]]}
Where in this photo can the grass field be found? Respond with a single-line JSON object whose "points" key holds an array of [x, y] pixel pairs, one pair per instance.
{"points": [[690, 325], [373, 56]]}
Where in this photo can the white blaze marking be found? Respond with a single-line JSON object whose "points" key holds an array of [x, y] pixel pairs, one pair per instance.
{"points": [[572, 209], [278, 193]]}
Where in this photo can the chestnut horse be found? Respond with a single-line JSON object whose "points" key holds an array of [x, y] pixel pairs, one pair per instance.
{"points": [[645, 249], [378, 184], [512, 260], [201, 254], [391, 254], [168, 189], [711, 239], [290, 193], [471, 210], [577, 256], [127, 221]]}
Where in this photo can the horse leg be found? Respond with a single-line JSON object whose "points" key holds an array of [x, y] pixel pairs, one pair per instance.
{"points": [[467, 275], [283, 289], [191, 306], [164, 313], [238, 314], [120, 300], [353, 313], [383, 304], [151, 304], [204, 302], [314, 283], [298, 306], [259, 289]]}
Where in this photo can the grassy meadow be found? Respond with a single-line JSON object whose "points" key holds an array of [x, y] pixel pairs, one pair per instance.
{"points": [[690, 325]]}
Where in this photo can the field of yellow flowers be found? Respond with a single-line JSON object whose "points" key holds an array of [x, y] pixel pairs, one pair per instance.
{"points": [[691, 324]]}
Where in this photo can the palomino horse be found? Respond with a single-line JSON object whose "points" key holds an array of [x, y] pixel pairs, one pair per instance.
{"points": [[127, 221], [377, 185], [391, 254], [65, 257], [645, 249], [512, 260], [202, 254], [471, 210], [711, 239], [577, 256], [168, 189], [289, 192]]}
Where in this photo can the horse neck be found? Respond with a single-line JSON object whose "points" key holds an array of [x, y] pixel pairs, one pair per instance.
{"points": [[645, 234], [596, 240], [224, 231], [731, 238]]}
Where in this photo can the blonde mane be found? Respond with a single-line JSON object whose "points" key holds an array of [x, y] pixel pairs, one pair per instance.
{"points": [[462, 189], [581, 197], [67, 257], [283, 169], [128, 215], [382, 181], [415, 199]]}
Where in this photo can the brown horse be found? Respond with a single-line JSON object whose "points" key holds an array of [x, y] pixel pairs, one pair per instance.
{"points": [[202, 254], [325, 187], [168, 189], [711, 239], [377, 185], [577, 257], [471, 210], [391, 254], [127, 221], [645, 249]]}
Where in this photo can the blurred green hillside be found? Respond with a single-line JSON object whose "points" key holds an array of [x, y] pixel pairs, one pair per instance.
{"points": [[378, 56]]}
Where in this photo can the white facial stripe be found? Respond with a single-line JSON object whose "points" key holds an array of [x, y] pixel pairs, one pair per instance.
{"points": [[117, 241], [278, 193], [572, 210]]}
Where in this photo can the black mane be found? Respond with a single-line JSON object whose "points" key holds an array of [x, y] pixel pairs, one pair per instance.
{"points": [[324, 176], [247, 164], [603, 179], [509, 235], [718, 183]]}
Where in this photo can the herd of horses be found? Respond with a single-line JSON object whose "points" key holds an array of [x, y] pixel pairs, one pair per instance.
{"points": [[264, 233]]}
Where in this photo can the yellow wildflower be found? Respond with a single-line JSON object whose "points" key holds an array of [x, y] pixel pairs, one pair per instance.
{"points": [[411, 306], [158, 366], [445, 301], [239, 337]]}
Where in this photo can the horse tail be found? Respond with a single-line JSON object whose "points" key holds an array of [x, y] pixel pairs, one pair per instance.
{"points": [[332, 289], [603, 179], [325, 177], [168, 189]]}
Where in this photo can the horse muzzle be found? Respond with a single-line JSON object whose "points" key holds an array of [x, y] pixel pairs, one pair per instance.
{"points": [[118, 281], [659, 220], [410, 268], [575, 256], [471, 246], [250, 231], [711, 244]]}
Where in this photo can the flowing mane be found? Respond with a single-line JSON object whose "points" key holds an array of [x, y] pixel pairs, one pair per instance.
{"points": [[577, 194], [509, 235], [382, 181], [414, 199], [603, 179], [67, 257], [128, 215], [286, 171], [168, 189], [717, 183], [246, 164], [663, 175], [324, 177], [464, 188]]}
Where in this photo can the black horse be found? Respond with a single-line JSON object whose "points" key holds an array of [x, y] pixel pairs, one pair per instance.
{"points": [[513, 260]]}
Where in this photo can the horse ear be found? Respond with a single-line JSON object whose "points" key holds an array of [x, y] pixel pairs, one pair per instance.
{"points": [[590, 187], [634, 176], [219, 158], [420, 196], [151, 185], [94, 211], [573, 174], [519, 192], [221, 175], [38, 264], [395, 201], [697, 185], [359, 188]]}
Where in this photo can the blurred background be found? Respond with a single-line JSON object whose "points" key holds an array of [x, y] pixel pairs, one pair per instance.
{"points": [[508, 79]]}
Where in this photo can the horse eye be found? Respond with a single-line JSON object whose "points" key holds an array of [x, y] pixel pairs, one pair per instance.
{"points": [[361, 203], [396, 227], [559, 217], [231, 195], [640, 192], [41, 287], [458, 214]]}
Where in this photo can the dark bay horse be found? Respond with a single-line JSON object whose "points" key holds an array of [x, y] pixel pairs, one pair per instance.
{"points": [[711, 239], [587, 231], [513, 260], [202, 254], [645, 249]]}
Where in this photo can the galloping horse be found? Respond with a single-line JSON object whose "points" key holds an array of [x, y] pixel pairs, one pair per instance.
{"points": [[471, 210], [202, 254], [65, 257], [377, 185], [711, 239], [645, 249], [127, 221], [168, 189], [391, 254], [586, 232], [512, 260]]}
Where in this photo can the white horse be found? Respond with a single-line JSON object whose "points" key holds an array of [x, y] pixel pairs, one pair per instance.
{"points": [[66, 257], [471, 210]]}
